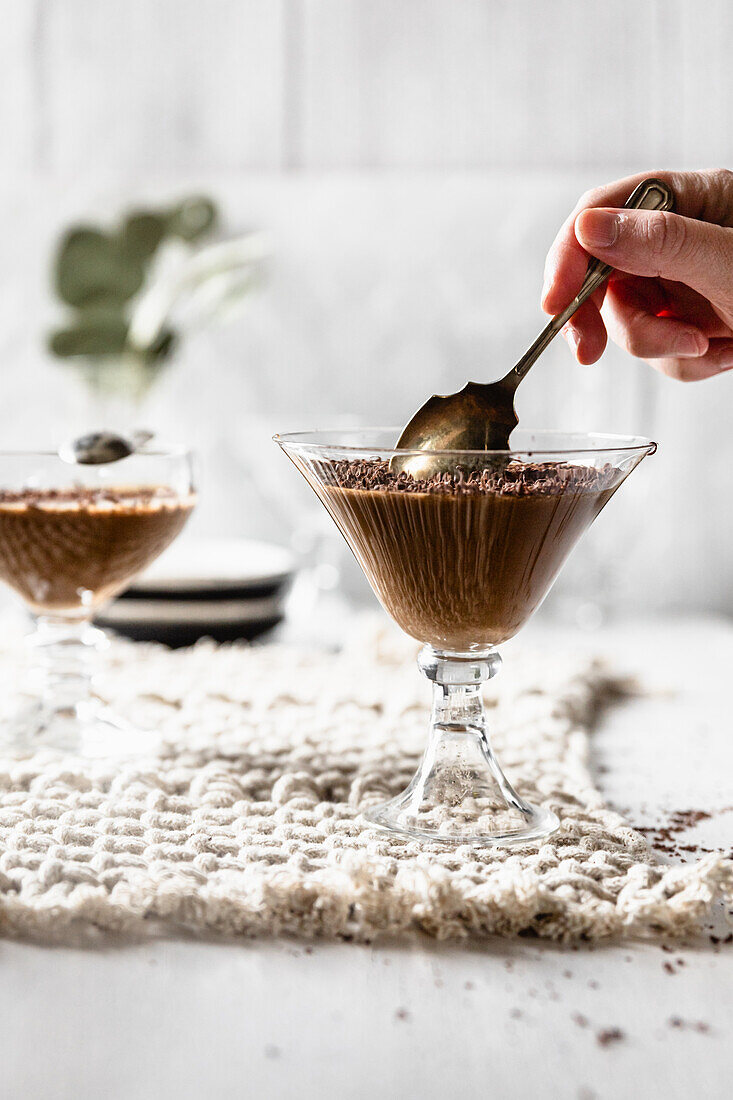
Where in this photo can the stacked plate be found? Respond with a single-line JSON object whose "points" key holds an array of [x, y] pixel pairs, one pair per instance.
{"points": [[223, 589]]}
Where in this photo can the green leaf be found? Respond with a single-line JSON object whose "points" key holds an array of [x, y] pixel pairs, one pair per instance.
{"points": [[141, 233], [162, 347], [97, 332], [191, 218], [93, 269]]}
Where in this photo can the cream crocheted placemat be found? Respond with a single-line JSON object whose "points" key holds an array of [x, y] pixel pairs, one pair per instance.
{"points": [[248, 822]]}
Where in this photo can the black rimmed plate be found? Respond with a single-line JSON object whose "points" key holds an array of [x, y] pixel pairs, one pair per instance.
{"points": [[224, 589]]}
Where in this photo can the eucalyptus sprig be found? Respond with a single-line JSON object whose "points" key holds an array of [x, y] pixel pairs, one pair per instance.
{"points": [[98, 275]]}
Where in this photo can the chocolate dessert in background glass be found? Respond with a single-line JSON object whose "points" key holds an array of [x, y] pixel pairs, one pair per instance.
{"points": [[461, 558], [71, 538]]}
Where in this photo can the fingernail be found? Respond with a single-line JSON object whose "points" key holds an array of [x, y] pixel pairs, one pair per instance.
{"points": [[572, 337], [689, 345], [599, 229], [546, 285]]}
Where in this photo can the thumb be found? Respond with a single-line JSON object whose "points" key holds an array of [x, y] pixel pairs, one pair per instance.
{"points": [[651, 243]]}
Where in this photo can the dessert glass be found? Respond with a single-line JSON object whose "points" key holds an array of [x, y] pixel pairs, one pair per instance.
{"points": [[461, 568], [71, 538]]}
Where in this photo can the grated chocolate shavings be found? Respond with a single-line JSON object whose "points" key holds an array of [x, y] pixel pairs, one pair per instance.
{"points": [[510, 479]]}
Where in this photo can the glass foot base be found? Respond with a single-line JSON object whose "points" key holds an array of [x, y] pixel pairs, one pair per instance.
{"points": [[459, 795], [479, 827], [90, 730]]}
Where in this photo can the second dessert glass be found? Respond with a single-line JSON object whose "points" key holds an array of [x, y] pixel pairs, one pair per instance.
{"points": [[461, 560], [71, 538]]}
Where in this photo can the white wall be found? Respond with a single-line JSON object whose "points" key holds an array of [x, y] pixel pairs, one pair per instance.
{"points": [[413, 158]]}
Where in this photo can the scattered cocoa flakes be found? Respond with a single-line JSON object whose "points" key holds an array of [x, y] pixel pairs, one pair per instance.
{"points": [[402, 1014], [679, 1024], [669, 968], [580, 1019], [664, 837], [685, 819], [609, 1036]]}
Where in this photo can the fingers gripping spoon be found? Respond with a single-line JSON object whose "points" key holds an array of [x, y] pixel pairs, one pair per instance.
{"points": [[481, 417]]}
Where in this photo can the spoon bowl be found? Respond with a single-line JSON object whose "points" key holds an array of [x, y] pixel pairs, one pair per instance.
{"points": [[99, 448]]}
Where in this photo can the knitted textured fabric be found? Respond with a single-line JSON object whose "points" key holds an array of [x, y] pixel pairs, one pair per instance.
{"points": [[248, 823]]}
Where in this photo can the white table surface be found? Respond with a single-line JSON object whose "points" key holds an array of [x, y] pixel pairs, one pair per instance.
{"points": [[502, 1019]]}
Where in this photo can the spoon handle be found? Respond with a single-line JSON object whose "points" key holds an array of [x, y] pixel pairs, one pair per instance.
{"points": [[651, 194]]}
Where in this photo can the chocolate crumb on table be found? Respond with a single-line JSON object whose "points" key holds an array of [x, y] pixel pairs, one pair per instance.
{"points": [[609, 1036], [679, 1024]]}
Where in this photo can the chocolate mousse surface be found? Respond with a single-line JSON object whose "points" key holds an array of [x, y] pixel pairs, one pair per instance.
{"points": [[461, 560], [68, 550]]}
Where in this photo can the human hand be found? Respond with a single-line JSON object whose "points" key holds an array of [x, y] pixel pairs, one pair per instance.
{"points": [[670, 297]]}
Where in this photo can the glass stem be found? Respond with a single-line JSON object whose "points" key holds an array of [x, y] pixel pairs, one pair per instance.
{"points": [[459, 794], [458, 750], [64, 655]]}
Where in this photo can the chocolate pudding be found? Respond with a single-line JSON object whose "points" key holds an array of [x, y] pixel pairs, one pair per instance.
{"points": [[68, 550], [462, 560]]}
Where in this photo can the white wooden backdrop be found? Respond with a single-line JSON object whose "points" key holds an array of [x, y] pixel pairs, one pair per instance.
{"points": [[413, 158]]}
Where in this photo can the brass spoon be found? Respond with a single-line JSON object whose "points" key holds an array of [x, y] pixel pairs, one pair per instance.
{"points": [[481, 417]]}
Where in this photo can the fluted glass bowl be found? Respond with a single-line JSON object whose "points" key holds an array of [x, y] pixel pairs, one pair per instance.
{"points": [[461, 555]]}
